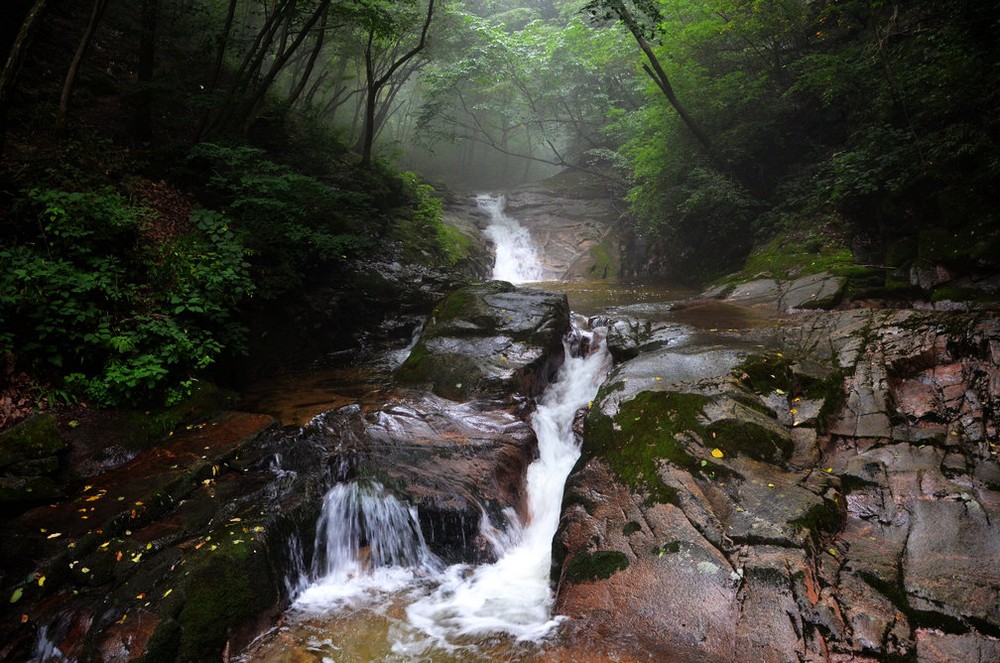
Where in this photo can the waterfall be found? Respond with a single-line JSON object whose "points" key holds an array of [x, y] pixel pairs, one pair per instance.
{"points": [[513, 595], [365, 539], [370, 552], [516, 256]]}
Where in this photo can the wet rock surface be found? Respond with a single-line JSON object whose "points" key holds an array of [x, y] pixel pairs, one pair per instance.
{"points": [[834, 497], [572, 221], [454, 461], [186, 545], [489, 341]]}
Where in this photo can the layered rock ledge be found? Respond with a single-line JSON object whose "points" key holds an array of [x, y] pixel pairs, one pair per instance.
{"points": [[831, 493]]}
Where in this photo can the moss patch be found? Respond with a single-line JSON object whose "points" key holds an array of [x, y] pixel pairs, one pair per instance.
{"points": [[599, 565], [738, 438], [631, 527], [31, 439], [649, 430], [605, 263], [226, 588], [786, 257]]}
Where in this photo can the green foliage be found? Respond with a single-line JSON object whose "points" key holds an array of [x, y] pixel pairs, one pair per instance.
{"points": [[869, 113], [118, 318], [288, 222]]}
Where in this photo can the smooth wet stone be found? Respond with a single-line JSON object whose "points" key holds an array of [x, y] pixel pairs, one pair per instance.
{"points": [[489, 341], [814, 291], [454, 462], [627, 337]]}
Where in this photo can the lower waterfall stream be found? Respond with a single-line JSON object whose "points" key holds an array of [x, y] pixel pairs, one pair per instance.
{"points": [[375, 591]]}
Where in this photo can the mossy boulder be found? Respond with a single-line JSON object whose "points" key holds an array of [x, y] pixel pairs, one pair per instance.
{"points": [[599, 565], [30, 454], [489, 341], [31, 440]]}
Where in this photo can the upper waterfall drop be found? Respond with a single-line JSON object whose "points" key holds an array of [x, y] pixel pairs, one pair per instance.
{"points": [[516, 254]]}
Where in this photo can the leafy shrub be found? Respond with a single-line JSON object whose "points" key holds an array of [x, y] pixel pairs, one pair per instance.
{"points": [[290, 223], [121, 319]]}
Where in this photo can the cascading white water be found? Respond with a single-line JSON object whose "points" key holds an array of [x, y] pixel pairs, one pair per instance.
{"points": [[369, 547], [365, 539], [513, 595], [516, 256]]}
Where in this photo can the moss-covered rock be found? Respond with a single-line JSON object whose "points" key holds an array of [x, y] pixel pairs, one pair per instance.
{"points": [[652, 428], [32, 439], [226, 588]]}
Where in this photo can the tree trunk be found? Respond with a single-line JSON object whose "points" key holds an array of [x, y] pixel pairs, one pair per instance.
{"points": [[15, 58], [142, 116], [317, 48], [375, 85], [655, 71], [245, 115], [96, 12]]}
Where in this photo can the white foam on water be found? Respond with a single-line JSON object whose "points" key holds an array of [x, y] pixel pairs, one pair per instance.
{"points": [[516, 254], [513, 595]]}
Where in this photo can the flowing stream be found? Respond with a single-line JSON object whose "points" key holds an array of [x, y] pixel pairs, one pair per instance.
{"points": [[376, 592], [516, 255]]}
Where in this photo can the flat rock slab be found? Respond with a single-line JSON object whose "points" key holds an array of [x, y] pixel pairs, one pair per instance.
{"points": [[814, 291]]}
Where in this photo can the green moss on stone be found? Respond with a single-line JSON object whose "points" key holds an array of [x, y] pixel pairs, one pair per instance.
{"points": [[605, 263], [739, 438], [599, 565], [226, 588], [630, 528], [646, 431], [766, 373], [31, 439], [164, 644]]}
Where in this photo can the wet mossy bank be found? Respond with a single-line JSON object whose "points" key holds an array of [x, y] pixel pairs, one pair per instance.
{"points": [[189, 541]]}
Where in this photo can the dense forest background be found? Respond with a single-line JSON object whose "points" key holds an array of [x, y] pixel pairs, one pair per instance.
{"points": [[176, 171]]}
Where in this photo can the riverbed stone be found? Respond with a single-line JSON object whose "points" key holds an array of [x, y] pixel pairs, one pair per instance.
{"points": [[489, 341], [822, 291]]}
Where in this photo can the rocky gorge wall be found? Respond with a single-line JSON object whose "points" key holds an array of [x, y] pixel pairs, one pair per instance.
{"points": [[827, 493]]}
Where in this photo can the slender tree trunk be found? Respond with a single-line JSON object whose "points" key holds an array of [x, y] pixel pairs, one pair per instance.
{"points": [[220, 52], [313, 57], [142, 117], [15, 58], [375, 84], [244, 116], [96, 12], [252, 61], [220, 58]]}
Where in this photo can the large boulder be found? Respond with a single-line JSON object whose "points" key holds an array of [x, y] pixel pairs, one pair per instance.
{"points": [[489, 341], [454, 462], [30, 454]]}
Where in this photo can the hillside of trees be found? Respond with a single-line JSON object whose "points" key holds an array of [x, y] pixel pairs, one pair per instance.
{"points": [[171, 169]]}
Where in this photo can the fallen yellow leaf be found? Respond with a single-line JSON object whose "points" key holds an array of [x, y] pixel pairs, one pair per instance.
{"points": [[717, 453]]}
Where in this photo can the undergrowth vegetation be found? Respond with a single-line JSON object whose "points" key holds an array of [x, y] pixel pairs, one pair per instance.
{"points": [[112, 301]]}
